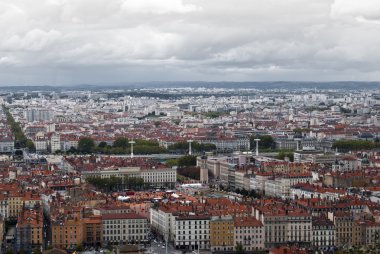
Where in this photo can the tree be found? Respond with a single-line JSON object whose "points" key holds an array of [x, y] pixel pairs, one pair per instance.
{"points": [[171, 163], [121, 142], [266, 141], [239, 248], [79, 248], [30, 145], [282, 154], [102, 144], [187, 161], [86, 145]]}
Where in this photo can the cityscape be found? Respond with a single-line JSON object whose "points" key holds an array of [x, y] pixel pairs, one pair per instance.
{"points": [[190, 169], [189, 127]]}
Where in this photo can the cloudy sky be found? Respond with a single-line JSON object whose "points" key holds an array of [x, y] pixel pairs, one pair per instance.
{"points": [[60, 42]]}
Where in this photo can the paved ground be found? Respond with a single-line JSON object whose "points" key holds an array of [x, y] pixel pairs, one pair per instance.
{"points": [[156, 248]]}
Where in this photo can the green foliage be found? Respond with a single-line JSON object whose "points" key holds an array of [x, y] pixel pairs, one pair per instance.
{"points": [[266, 142], [187, 161], [195, 147], [102, 144], [171, 163], [79, 248], [239, 248], [9, 251], [17, 131], [116, 183], [86, 145], [121, 143], [121, 146], [283, 153], [190, 172], [345, 110], [354, 145], [213, 114]]}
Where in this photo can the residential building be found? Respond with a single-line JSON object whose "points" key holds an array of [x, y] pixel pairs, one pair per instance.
{"points": [[192, 232], [222, 233], [250, 233], [124, 228]]}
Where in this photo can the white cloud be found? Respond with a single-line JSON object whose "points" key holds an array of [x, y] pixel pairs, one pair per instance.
{"points": [[124, 40], [158, 7], [362, 9]]}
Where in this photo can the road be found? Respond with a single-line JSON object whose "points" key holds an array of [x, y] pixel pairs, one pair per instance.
{"points": [[156, 248]]}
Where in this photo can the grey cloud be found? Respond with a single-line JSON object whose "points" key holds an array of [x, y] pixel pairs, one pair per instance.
{"points": [[64, 41]]}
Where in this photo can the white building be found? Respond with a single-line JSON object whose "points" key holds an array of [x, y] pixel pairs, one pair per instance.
{"points": [[192, 232], [280, 187], [323, 233], [55, 143], [157, 177], [7, 144], [124, 228]]}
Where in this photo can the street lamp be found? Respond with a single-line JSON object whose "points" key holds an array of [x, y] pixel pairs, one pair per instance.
{"points": [[131, 143], [190, 141], [298, 140], [257, 145]]}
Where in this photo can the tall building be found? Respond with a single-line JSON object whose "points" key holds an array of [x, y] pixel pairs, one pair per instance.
{"points": [[29, 229], [222, 233], [38, 115]]}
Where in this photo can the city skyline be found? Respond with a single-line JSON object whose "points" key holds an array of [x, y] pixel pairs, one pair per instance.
{"points": [[66, 42]]}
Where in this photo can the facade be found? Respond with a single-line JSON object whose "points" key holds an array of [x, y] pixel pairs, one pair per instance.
{"points": [[281, 187], [323, 232], [15, 203], [163, 222], [222, 233], [92, 231], [155, 177], [192, 232], [29, 229], [344, 224], [4, 207], [38, 114], [124, 228], [54, 143], [67, 232], [284, 227], [7, 144], [250, 233]]}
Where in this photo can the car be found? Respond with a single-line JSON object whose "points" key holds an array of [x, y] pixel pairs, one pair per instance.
{"points": [[163, 247], [158, 245], [155, 241]]}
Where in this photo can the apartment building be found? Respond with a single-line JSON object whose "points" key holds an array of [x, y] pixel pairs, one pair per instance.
{"points": [[67, 231], [92, 231], [285, 226], [250, 233], [192, 232], [156, 177], [124, 228], [222, 233], [29, 229], [323, 232], [344, 228]]}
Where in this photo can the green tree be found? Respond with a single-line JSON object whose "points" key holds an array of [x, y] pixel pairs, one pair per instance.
{"points": [[30, 145], [283, 153], [266, 142], [102, 144], [239, 248], [187, 161], [79, 248], [121, 142], [86, 145], [171, 163]]}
